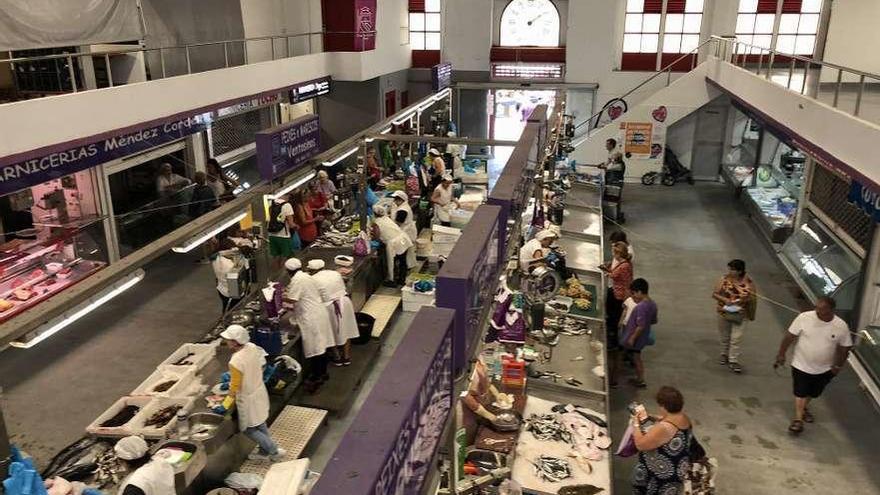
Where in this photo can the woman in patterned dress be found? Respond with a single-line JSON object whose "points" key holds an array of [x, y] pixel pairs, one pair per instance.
{"points": [[664, 461]]}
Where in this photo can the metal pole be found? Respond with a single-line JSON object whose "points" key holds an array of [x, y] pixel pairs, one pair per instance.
{"points": [[109, 71], [244, 46], [188, 61], [668, 77], [760, 61], [226, 53], [694, 59], [72, 73], [806, 74], [790, 74], [162, 61], [287, 46], [837, 87], [770, 64], [859, 96], [272, 40]]}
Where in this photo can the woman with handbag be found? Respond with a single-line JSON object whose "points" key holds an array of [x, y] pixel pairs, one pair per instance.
{"points": [[665, 447], [735, 295], [620, 271]]}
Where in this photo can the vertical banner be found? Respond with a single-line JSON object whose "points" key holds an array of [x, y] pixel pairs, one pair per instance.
{"points": [[365, 25]]}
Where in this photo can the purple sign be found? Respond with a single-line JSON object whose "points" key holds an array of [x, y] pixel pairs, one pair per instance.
{"points": [[285, 148], [441, 76], [33, 171], [390, 446], [468, 279]]}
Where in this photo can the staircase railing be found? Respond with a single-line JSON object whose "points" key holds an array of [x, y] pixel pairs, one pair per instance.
{"points": [[803, 75], [618, 106]]}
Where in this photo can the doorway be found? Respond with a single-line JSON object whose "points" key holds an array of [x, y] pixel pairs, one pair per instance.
{"points": [[512, 109], [390, 103]]}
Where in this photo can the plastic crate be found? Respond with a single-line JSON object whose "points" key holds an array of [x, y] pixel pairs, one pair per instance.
{"points": [[202, 354], [441, 234], [118, 431], [137, 426], [187, 383]]}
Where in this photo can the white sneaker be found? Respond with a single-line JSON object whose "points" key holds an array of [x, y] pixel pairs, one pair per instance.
{"points": [[257, 456], [279, 456]]}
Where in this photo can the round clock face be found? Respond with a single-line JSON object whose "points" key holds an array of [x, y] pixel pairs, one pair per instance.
{"points": [[530, 23]]}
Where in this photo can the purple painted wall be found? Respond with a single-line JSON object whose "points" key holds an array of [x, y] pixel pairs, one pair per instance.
{"points": [[390, 446], [468, 279]]}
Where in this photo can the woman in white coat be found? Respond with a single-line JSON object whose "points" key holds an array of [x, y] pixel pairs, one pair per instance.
{"points": [[443, 201], [397, 243], [339, 308], [310, 315], [535, 250], [403, 216], [248, 391], [150, 476]]}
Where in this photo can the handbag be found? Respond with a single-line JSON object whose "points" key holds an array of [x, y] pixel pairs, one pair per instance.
{"points": [[696, 452], [735, 317], [627, 447], [361, 246]]}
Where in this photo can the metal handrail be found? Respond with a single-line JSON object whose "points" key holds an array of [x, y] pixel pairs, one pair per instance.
{"points": [[666, 70], [739, 56]]}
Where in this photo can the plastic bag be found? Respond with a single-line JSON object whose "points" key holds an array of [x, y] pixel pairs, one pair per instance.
{"points": [[627, 447], [244, 481], [361, 245]]}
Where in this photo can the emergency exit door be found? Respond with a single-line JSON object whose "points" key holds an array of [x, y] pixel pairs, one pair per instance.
{"points": [[390, 103]]}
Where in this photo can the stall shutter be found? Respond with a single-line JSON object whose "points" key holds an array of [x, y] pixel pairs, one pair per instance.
{"points": [[238, 131], [829, 193], [416, 5]]}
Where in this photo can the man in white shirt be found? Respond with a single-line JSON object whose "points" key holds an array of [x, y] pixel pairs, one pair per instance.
{"points": [[821, 344], [280, 229], [168, 182]]}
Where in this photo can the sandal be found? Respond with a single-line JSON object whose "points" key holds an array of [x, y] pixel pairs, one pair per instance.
{"points": [[808, 416], [796, 427], [735, 367]]}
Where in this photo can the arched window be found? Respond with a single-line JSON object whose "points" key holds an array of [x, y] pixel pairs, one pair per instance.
{"points": [[530, 23]]}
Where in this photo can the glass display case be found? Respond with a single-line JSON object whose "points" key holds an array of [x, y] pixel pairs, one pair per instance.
{"points": [[823, 265], [742, 152]]}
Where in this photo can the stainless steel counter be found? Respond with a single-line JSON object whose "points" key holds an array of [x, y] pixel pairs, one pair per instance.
{"points": [[583, 223], [582, 256]]}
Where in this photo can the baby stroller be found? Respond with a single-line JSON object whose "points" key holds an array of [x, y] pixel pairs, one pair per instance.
{"points": [[673, 171]]}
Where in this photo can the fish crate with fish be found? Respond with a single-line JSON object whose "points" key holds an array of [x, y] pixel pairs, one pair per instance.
{"points": [[116, 421], [159, 418], [175, 381], [191, 355]]}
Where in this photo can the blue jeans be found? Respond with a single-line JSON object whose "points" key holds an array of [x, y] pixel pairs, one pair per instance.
{"points": [[260, 434]]}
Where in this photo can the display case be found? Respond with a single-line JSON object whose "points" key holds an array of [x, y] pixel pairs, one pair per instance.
{"points": [[822, 265], [741, 152]]}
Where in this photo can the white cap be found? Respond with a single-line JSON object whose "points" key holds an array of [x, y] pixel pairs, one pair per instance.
{"points": [[379, 210], [447, 178], [545, 234], [450, 134], [400, 195], [293, 264], [237, 333], [434, 151], [131, 448], [315, 265]]}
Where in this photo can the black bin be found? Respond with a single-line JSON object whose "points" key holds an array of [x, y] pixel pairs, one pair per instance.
{"points": [[365, 325]]}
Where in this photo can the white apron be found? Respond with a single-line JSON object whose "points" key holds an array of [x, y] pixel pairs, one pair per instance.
{"points": [[252, 399], [409, 228], [395, 240], [443, 211], [527, 254], [340, 310], [310, 315], [154, 478]]}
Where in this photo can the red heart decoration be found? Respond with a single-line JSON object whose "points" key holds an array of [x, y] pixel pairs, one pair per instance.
{"points": [[614, 112], [660, 114]]}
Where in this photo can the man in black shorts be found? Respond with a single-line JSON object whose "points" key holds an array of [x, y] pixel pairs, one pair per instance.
{"points": [[822, 343]]}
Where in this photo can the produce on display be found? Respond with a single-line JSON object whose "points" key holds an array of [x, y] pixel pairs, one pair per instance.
{"points": [[5, 305], [573, 288]]}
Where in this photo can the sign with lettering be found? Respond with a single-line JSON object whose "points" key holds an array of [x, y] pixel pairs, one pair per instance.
{"points": [[284, 148], [309, 90], [865, 198], [441, 76], [390, 446], [365, 25], [33, 171]]}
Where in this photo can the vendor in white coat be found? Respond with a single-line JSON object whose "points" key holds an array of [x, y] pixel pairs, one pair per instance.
{"points": [[397, 243], [310, 315], [340, 310], [444, 201], [248, 392], [403, 216], [457, 152], [534, 251], [149, 476]]}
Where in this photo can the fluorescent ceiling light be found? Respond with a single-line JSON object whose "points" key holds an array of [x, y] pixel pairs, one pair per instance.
{"points": [[293, 186], [194, 242], [56, 325], [340, 158]]}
